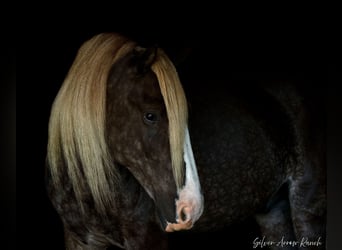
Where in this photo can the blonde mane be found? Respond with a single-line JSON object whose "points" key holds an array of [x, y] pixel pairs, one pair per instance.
{"points": [[177, 112], [77, 121]]}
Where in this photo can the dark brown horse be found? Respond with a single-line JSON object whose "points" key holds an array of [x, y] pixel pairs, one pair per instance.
{"points": [[121, 169], [118, 140]]}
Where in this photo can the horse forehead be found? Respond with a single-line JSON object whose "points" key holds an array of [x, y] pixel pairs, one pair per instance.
{"points": [[129, 84], [148, 87]]}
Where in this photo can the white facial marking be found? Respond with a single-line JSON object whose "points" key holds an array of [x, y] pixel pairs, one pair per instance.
{"points": [[190, 195]]}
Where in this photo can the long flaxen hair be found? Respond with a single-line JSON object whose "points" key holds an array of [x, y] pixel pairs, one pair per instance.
{"points": [[77, 142]]}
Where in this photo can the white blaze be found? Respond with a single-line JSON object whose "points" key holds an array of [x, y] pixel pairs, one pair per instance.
{"points": [[190, 195]]}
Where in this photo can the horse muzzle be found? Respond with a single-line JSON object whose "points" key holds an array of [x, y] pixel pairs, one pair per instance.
{"points": [[189, 208], [184, 219], [190, 205]]}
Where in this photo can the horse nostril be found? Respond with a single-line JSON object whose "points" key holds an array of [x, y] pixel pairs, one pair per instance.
{"points": [[183, 216], [183, 221]]}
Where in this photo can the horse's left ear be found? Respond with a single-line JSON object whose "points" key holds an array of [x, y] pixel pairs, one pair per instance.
{"points": [[144, 57]]}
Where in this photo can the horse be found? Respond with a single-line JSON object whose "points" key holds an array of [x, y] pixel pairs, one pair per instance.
{"points": [[128, 163], [118, 140]]}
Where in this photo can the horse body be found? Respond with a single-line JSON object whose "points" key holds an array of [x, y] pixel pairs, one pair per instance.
{"points": [[252, 146], [236, 151], [256, 152]]}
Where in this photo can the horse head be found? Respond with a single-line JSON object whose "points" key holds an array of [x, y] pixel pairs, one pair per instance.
{"points": [[147, 133], [122, 104]]}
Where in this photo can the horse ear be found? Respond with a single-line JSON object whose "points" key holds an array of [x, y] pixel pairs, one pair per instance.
{"points": [[144, 57]]}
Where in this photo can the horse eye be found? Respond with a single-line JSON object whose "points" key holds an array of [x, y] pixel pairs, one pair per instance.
{"points": [[150, 117]]}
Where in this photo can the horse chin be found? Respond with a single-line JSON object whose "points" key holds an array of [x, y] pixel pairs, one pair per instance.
{"points": [[162, 221], [165, 210]]}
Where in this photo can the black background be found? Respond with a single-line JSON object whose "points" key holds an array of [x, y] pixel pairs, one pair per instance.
{"points": [[256, 48]]}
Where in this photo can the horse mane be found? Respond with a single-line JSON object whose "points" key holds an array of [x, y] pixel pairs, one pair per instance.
{"points": [[77, 121], [176, 109]]}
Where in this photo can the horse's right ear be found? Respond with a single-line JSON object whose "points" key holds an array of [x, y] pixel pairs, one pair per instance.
{"points": [[144, 58]]}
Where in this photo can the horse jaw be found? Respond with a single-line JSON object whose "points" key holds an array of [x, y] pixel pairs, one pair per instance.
{"points": [[190, 204]]}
